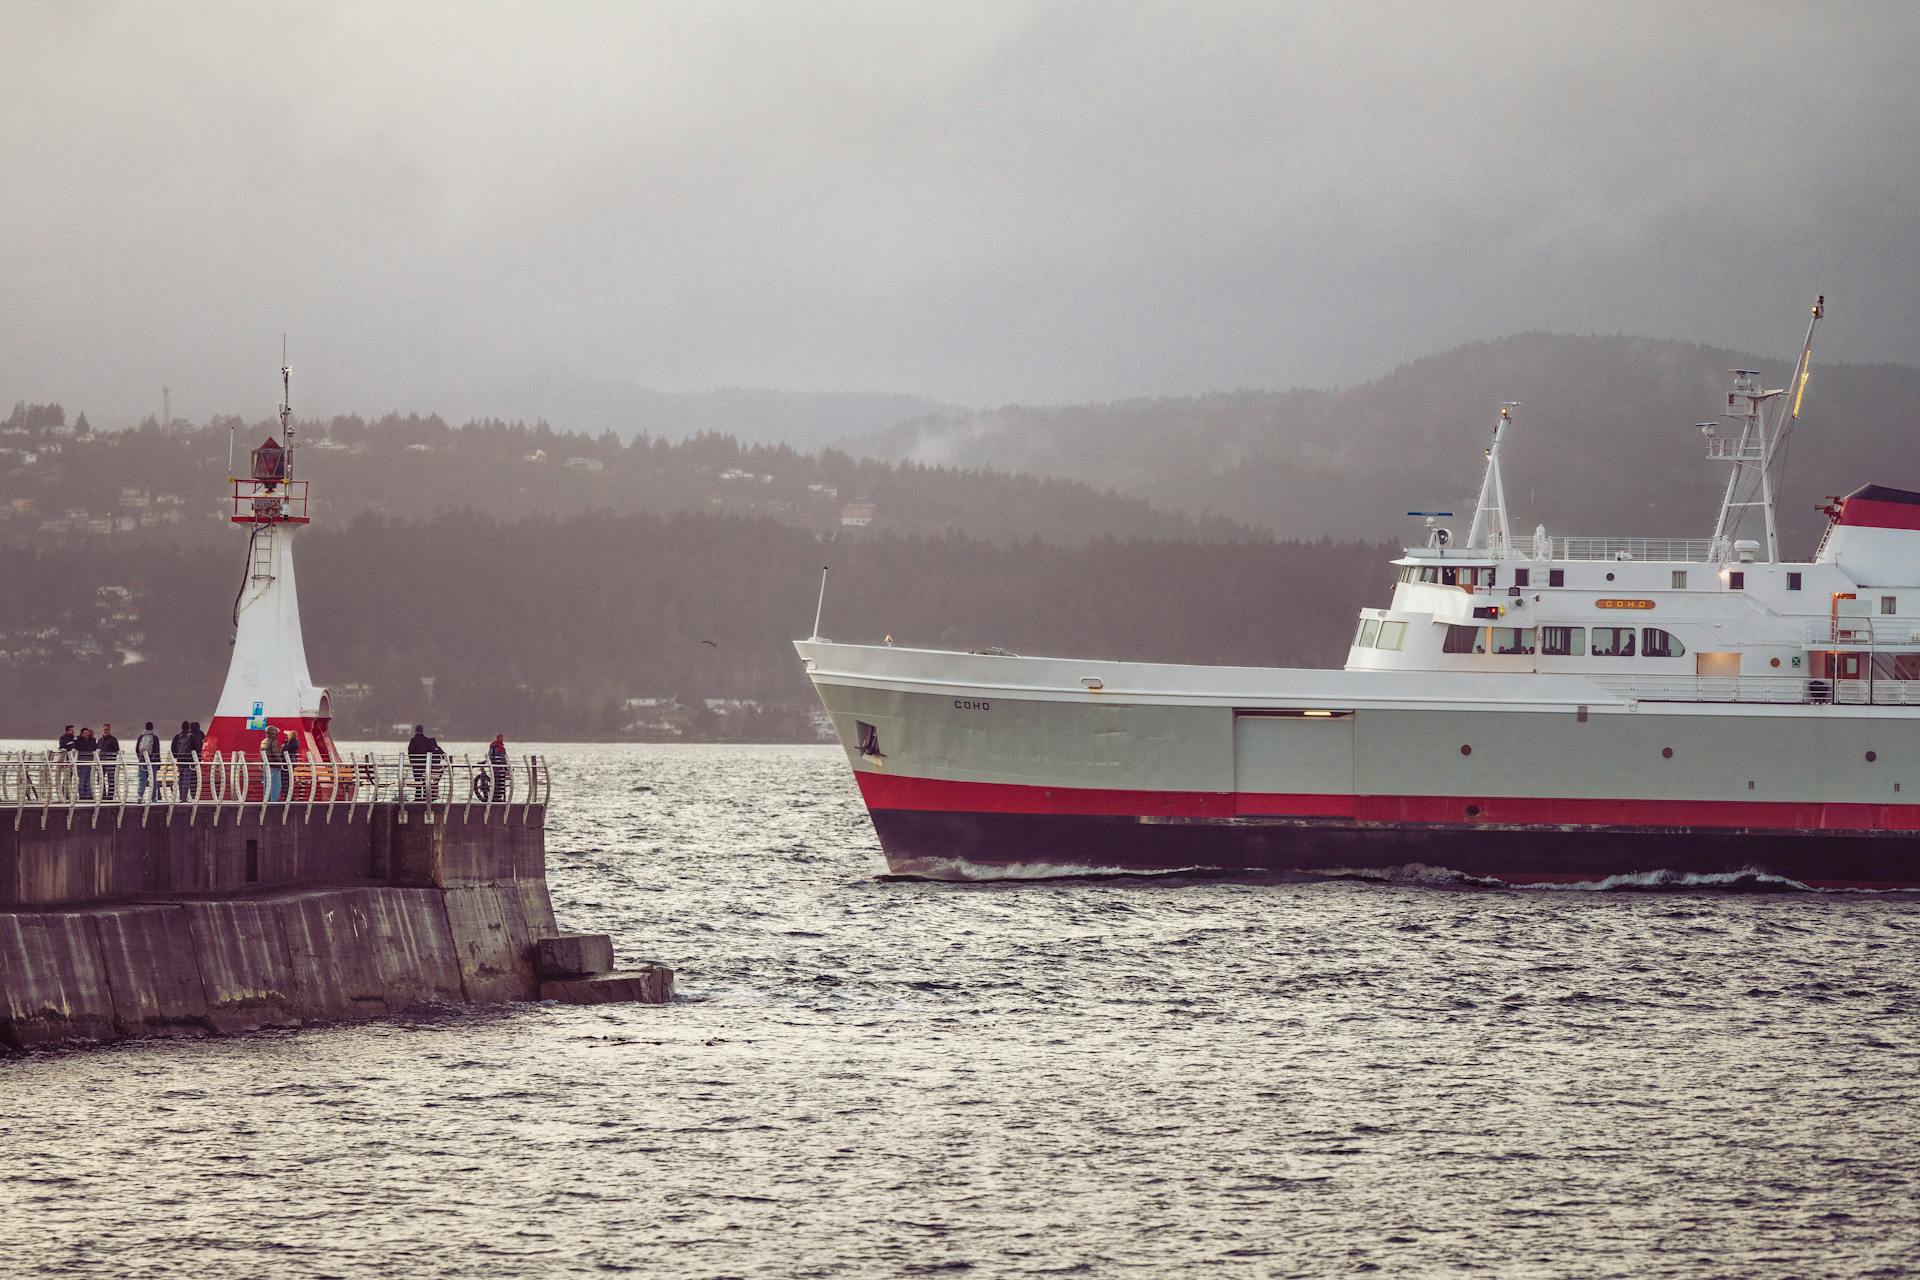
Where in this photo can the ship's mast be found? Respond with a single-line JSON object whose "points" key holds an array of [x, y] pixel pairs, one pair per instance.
{"points": [[1489, 526], [286, 404], [1758, 451]]}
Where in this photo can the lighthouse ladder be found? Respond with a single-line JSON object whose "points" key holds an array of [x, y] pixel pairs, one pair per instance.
{"points": [[262, 569]]}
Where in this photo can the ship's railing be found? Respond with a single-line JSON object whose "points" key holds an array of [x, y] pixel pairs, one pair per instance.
{"points": [[1803, 689], [1686, 550], [49, 782], [1866, 631], [1525, 546]]}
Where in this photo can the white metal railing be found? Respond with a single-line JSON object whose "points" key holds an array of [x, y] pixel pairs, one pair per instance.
{"points": [[1527, 546], [49, 782], [1806, 689], [1686, 550], [1865, 631]]}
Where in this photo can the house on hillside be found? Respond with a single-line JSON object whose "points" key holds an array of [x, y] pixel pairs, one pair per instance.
{"points": [[857, 514]]}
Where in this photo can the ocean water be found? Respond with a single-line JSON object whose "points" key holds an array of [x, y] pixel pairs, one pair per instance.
{"points": [[872, 1077]]}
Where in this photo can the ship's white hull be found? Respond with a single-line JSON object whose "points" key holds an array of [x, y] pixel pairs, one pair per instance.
{"points": [[975, 764]]}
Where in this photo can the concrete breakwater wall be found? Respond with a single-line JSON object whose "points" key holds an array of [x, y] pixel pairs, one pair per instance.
{"points": [[157, 922]]}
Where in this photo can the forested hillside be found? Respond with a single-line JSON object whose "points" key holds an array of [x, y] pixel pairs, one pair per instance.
{"points": [[60, 479], [632, 625], [1604, 441]]}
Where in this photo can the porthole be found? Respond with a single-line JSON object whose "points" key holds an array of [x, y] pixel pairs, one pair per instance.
{"points": [[1872, 756], [1466, 749], [1773, 662], [1473, 811], [1666, 753], [1609, 577]]}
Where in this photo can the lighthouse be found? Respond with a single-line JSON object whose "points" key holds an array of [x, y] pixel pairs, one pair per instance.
{"points": [[267, 680]]}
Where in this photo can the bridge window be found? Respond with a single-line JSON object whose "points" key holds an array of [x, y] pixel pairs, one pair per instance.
{"points": [[1563, 642], [1655, 643], [1887, 605], [1737, 580], [1613, 642], [1523, 577], [1460, 639], [1793, 582], [1679, 579], [1392, 634], [1556, 577], [1369, 628], [1512, 640]]}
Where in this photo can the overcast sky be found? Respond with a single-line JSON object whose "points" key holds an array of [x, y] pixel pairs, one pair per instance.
{"points": [[975, 201]]}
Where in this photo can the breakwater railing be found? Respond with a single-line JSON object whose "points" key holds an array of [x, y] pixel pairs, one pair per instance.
{"points": [[60, 785]]}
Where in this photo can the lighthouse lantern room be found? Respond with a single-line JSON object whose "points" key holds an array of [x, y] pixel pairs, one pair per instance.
{"points": [[267, 679]]}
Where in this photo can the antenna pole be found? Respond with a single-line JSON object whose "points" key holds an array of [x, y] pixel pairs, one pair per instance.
{"points": [[286, 404], [1789, 417], [1490, 513], [818, 608]]}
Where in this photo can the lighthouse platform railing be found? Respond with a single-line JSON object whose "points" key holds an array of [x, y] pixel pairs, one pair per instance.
{"points": [[125, 789]]}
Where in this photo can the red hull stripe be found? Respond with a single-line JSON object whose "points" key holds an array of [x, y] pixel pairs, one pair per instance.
{"points": [[1872, 513], [935, 795]]}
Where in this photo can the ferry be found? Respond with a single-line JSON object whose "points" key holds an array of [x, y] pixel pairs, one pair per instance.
{"points": [[1528, 709]]}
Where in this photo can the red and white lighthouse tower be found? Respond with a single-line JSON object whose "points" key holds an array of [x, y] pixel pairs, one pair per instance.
{"points": [[267, 681]]}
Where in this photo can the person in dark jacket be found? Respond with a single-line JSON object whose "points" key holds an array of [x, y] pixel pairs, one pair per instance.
{"points": [[109, 760], [84, 749], [181, 748], [63, 783], [419, 751], [146, 749], [199, 740]]}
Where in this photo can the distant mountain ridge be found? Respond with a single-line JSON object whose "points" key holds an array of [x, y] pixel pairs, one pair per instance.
{"points": [[1603, 441]]}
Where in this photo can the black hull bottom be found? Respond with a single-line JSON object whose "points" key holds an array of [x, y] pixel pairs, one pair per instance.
{"points": [[945, 845]]}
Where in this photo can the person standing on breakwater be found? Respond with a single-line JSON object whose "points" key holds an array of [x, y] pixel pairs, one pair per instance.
{"points": [[146, 749], [84, 748], [419, 751], [109, 760], [497, 757], [274, 752], [293, 764], [182, 750]]}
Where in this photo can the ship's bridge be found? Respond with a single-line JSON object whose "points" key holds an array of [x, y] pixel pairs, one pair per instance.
{"points": [[1720, 618]]}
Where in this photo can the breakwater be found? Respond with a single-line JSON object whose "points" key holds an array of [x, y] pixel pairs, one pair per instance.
{"points": [[356, 893]]}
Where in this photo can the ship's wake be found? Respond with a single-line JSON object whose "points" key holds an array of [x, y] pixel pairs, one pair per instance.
{"points": [[963, 870], [1748, 880]]}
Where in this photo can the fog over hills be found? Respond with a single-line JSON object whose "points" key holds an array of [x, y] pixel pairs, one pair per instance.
{"points": [[805, 420], [1604, 440]]}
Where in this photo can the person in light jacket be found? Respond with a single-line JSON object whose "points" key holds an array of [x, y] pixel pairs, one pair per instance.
{"points": [[146, 749], [274, 752]]}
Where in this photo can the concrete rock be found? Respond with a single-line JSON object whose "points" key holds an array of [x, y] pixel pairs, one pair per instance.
{"points": [[652, 985], [573, 955]]}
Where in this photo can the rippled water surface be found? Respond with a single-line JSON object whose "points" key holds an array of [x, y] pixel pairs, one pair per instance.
{"points": [[875, 1077]]}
